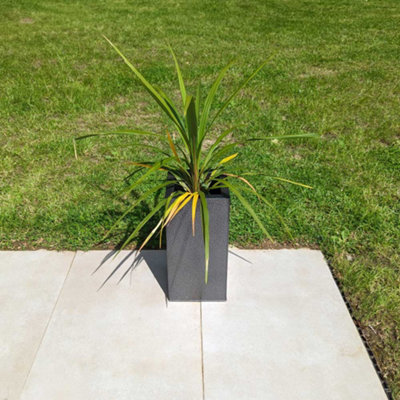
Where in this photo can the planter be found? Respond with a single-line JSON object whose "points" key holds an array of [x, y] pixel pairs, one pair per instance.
{"points": [[185, 252]]}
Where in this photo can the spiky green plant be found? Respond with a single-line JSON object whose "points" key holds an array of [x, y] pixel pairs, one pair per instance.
{"points": [[196, 170]]}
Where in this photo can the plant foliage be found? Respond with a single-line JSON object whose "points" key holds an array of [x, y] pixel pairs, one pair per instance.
{"points": [[195, 169]]}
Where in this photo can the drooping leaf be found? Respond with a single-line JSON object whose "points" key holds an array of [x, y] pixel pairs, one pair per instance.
{"points": [[166, 208], [279, 137], [243, 180], [151, 234], [183, 204], [194, 205], [143, 222], [269, 204], [125, 132], [156, 167], [174, 206], [248, 207], [144, 196], [292, 182], [205, 222], [279, 179]]}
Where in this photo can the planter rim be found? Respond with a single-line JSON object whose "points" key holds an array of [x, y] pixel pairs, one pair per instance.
{"points": [[223, 192]]}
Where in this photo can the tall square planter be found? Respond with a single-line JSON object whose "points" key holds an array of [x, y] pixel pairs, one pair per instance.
{"points": [[185, 252]]}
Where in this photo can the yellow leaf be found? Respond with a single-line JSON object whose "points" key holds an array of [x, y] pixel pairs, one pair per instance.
{"points": [[143, 165], [181, 206], [229, 158], [173, 148], [244, 180], [170, 213], [194, 204], [293, 182], [150, 235]]}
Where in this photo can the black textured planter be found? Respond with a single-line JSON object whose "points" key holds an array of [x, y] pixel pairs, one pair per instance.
{"points": [[185, 252]]}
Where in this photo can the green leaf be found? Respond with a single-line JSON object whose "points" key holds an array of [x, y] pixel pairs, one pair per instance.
{"points": [[236, 191], [297, 136], [127, 132], [191, 121], [143, 222], [156, 166], [279, 179], [211, 150], [205, 222], [197, 102], [180, 78], [244, 83], [264, 200], [174, 110], [209, 100], [165, 214], [152, 91], [136, 203], [221, 150]]}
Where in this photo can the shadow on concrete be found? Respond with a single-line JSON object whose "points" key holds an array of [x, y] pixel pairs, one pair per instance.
{"points": [[156, 260], [230, 251]]}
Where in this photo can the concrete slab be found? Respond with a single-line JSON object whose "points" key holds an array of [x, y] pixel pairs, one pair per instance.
{"points": [[285, 333], [29, 286], [120, 342]]}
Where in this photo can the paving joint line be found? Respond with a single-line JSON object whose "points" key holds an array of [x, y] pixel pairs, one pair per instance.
{"points": [[47, 325], [201, 349], [360, 332]]}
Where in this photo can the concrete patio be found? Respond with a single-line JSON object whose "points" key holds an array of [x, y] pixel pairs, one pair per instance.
{"points": [[284, 333]]}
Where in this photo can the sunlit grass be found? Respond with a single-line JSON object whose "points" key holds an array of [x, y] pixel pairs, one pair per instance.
{"points": [[335, 72]]}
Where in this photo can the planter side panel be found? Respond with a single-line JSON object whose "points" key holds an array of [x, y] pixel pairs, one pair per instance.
{"points": [[185, 253]]}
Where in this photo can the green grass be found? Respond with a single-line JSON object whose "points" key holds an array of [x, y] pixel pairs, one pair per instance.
{"points": [[335, 72]]}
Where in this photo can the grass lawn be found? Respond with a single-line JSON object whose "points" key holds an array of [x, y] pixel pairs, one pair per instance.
{"points": [[335, 71]]}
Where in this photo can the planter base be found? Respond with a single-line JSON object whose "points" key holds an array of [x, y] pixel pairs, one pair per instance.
{"points": [[185, 253]]}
